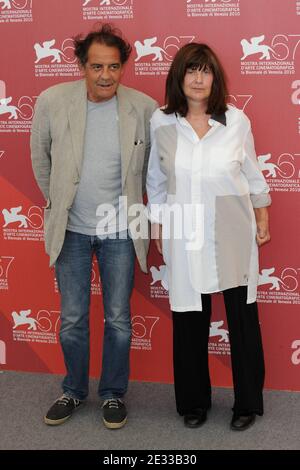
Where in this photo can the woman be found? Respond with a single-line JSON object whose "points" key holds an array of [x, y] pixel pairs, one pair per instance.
{"points": [[204, 178]]}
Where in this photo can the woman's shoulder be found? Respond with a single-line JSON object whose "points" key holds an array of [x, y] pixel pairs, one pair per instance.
{"points": [[159, 118], [235, 115]]}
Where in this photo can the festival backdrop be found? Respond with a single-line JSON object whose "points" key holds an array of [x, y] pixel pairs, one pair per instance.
{"points": [[258, 42]]}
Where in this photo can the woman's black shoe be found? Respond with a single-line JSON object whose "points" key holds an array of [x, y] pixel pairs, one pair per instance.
{"points": [[196, 418], [240, 423]]}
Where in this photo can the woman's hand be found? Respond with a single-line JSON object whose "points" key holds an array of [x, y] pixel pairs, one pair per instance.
{"points": [[156, 235], [262, 223]]}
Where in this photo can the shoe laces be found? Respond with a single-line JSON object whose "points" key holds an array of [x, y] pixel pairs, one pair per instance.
{"points": [[112, 403], [65, 400]]}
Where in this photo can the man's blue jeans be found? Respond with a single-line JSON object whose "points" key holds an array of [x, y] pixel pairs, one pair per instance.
{"points": [[73, 271]]}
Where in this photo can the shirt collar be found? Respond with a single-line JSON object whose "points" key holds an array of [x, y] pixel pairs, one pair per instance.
{"points": [[221, 118]]}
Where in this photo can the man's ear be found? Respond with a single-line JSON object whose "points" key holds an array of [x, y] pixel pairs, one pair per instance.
{"points": [[81, 68], [122, 70]]}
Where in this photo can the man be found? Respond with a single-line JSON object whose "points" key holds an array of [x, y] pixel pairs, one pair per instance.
{"points": [[90, 145]]}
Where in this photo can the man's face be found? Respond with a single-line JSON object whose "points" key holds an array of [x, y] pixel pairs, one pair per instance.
{"points": [[102, 71]]}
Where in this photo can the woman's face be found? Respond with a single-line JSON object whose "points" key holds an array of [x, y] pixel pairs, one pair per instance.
{"points": [[197, 83]]}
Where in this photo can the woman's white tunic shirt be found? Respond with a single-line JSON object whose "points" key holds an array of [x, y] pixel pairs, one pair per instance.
{"points": [[211, 185]]}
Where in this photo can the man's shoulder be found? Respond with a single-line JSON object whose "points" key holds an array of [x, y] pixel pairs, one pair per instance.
{"points": [[137, 97], [62, 89]]}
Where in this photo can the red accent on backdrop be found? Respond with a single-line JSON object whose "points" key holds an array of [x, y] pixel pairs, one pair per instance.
{"points": [[258, 42]]}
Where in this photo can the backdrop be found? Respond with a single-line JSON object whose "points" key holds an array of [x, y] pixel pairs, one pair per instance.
{"points": [[258, 42]]}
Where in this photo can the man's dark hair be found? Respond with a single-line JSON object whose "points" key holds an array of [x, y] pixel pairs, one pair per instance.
{"points": [[200, 56], [107, 34]]}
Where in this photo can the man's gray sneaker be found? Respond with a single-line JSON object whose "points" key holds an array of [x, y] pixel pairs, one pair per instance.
{"points": [[61, 410], [114, 413]]}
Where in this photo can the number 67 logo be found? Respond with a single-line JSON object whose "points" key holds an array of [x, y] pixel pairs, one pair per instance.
{"points": [[142, 327]]}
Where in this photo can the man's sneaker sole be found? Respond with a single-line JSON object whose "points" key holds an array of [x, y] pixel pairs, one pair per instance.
{"points": [[55, 422], [114, 425]]}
